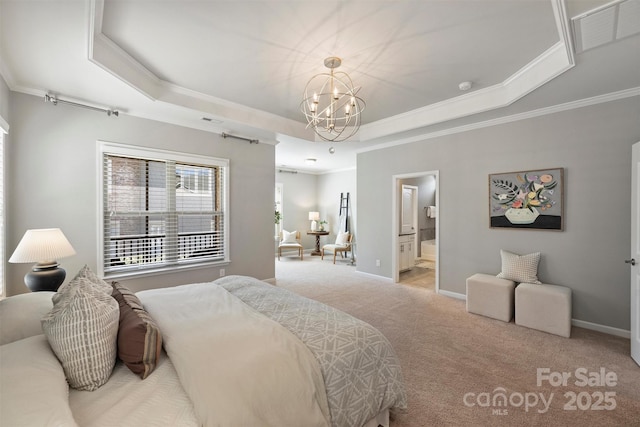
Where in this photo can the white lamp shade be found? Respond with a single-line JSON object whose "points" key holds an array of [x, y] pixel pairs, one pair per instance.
{"points": [[47, 244], [314, 216]]}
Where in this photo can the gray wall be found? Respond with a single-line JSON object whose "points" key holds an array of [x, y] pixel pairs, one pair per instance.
{"points": [[52, 181], [592, 143], [330, 186], [303, 192], [299, 193]]}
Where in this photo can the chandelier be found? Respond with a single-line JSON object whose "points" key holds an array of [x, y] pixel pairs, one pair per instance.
{"points": [[331, 104]]}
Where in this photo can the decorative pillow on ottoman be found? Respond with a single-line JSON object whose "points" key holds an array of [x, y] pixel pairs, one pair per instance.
{"points": [[520, 268], [139, 338], [82, 329]]}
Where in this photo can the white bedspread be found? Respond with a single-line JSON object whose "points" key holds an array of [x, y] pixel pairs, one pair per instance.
{"points": [[236, 365]]}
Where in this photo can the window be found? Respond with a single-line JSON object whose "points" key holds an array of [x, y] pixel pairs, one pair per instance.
{"points": [[161, 210]]}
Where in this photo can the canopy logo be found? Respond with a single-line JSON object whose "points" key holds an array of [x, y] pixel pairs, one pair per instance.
{"points": [[499, 400]]}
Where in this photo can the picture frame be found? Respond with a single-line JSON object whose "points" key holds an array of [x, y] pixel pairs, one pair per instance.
{"points": [[528, 199]]}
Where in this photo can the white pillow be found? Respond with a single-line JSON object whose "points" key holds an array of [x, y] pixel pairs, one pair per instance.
{"points": [[289, 237], [341, 238], [82, 329], [34, 389], [520, 268]]}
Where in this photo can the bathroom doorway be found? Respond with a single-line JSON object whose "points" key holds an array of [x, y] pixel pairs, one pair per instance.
{"points": [[423, 245]]}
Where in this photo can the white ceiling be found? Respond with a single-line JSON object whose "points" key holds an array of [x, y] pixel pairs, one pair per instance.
{"points": [[244, 64]]}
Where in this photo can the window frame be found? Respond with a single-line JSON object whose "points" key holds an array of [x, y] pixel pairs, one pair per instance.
{"points": [[147, 153]]}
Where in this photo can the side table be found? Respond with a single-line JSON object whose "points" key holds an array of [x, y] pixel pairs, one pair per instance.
{"points": [[317, 234]]}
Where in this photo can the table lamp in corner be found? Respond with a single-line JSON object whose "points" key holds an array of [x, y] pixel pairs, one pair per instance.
{"points": [[314, 217], [44, 247]]}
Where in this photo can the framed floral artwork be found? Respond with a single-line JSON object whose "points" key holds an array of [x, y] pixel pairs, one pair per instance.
{"points": [[528, 199]]}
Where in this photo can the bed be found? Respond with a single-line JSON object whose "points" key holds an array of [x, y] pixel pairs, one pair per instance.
{"points": [[233, 352]]}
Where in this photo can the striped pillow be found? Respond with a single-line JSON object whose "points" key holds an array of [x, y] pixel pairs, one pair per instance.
{"points": [[82, 328], [520, 268], [139, 338], [85, 273]]}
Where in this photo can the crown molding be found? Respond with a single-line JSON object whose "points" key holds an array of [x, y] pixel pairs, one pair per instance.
{"points": [[541, 70], [586, 102], [556, 60], [108, 55]]}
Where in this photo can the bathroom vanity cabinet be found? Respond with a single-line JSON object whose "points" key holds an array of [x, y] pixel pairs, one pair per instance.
{"points": [[406, 251]]}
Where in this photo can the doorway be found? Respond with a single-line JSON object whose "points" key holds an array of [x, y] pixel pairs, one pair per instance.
{"points": [[635, 253], [424, 243]]}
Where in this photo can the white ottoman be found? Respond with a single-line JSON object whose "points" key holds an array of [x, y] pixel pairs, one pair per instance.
{"points": [[489, 296], [546, 308]]}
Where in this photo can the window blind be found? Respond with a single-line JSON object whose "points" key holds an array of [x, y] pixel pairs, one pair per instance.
{"points": [[162, 213]]}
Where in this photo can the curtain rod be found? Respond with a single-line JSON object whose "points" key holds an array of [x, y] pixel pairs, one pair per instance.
{"points": [[286, 171], [52, 99], [251, 141]]}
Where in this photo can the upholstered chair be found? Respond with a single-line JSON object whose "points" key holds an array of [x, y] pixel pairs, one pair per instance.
{"points": [[290, 240], [341, 245]]}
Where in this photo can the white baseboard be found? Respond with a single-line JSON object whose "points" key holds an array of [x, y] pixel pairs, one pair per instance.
{"points": [[602, 328], [575, 322], [376, 276], [452, 294]]}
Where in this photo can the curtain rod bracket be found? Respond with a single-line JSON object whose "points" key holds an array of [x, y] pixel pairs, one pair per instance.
{"points": [[251, 141], [54, 100]]}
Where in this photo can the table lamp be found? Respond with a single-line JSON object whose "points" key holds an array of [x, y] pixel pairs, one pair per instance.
{"points": [[44, 247], [314, 217]]}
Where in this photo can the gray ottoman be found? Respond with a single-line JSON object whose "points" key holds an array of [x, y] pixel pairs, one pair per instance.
{"points": [[489, 296], [544, 307]]}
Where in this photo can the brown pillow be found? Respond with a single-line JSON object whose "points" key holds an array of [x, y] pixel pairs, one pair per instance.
{"points": [[139, 338]]}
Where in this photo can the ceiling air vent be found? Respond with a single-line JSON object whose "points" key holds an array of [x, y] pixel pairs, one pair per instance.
{"points": [[605, 24]]}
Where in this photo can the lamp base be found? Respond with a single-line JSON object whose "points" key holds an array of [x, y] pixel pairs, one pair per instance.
{"points": [[45, 278]]}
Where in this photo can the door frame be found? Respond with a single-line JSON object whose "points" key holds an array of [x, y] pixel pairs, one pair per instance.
{"points": [[395, 221], [635, 254]]}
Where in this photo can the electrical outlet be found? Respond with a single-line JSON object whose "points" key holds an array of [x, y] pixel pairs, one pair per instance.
{"points": [[377, 263], [222, 272]]}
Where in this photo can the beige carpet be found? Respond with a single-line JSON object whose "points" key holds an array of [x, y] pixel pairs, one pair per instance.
{"points": [[447, 354]]}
